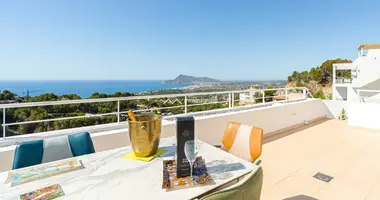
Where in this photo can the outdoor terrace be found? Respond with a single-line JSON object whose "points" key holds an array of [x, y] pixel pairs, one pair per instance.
{"points": [[210, 124], [349, 154], [301, 138]]}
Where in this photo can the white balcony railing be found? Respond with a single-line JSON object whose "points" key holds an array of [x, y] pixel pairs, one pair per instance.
{"points": [[230, 99], [343, 80]]}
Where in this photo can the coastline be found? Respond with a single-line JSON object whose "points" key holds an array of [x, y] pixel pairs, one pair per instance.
{"points": [[85, 89], [104, 89]]}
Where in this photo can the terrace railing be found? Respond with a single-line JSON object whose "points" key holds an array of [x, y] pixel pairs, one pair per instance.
{"points": [[184, 102]]}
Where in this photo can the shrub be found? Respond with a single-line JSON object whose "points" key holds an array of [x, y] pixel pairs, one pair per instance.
{"points": [[343, 115], [300, 84], [319, 94]]}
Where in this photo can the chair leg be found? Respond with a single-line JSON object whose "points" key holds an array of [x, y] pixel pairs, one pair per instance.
{"points": [[257, 162]]}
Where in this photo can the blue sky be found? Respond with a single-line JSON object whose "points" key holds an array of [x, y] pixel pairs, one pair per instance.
{"points": [[250, 40]]}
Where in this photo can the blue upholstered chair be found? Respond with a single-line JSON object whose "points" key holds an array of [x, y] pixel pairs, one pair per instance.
{"points": [[81, 144], [52, 149]]}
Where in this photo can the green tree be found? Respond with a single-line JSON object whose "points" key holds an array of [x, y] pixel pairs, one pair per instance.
{"points": [[327, 69], [7, 95], [44, 97], [315, 74], [304, 76], [321, 74], [290, 79], [295, 76]]}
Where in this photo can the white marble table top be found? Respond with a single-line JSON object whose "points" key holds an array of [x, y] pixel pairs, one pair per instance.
{"points": [[107, 176]]}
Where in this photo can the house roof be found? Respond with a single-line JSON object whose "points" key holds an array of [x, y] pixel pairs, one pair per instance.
{"points": [[369, 46]]}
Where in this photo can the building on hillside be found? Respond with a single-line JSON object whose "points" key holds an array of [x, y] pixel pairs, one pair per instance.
{"points": [[364, 83], [249, 97]]}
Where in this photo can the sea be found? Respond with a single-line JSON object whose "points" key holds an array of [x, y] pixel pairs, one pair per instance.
{"points": [[84, 88]]}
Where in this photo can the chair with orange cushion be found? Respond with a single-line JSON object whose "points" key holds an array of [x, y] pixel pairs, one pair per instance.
{"points": [[243, 141]]}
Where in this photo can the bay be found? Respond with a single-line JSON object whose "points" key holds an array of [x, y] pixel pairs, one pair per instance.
{"points": [[84, 88]]}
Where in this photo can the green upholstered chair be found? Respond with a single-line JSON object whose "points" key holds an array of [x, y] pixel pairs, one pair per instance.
{"points": [[247, 189], [52, 149]]}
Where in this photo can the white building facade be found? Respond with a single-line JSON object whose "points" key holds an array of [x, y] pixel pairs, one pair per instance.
{"points": [[364, 84]]}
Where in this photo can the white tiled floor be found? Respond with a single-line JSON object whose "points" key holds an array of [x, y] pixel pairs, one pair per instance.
{"points": [[350, 154]]}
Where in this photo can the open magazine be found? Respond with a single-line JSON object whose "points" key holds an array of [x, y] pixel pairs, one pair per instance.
{"points": [[38, 172]]}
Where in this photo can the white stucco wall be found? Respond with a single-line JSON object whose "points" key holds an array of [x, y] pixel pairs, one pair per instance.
{"points": [[369, 69], [359, 114], [335, 107], [364, 115], [351, 94], [366, 76], [211, 129]]}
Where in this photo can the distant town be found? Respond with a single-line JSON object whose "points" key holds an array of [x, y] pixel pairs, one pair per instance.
{"points": [[206, 84]]}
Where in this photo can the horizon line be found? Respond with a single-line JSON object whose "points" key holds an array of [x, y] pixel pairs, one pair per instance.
{"points": [[132, 80]]}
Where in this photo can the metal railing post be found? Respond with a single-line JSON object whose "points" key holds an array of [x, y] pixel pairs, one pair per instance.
{"points": [[286, 94], [233, 99], [308, 92], [304, 92], [229, 100], [185, 104], [118, 111], [4, 127], [263, 93]]}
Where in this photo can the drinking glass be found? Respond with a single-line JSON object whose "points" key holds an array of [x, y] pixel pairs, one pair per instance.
{"points": [[191, 152]]}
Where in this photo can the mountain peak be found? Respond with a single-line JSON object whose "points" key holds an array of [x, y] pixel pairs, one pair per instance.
{"points": [[186, 79]]}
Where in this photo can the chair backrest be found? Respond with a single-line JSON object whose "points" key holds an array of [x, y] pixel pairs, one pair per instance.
{"points": [[81, 144], [243, 141], [56, 148], [247, 189], [28, 154], [52, 149]]}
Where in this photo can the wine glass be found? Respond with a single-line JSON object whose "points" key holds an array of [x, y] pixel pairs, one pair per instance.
{"points": [[191, 152]]}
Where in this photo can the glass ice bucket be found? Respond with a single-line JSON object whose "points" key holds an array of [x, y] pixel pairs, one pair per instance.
{"points": [[145, 133]]}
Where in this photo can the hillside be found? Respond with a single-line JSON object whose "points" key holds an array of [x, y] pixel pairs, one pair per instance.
{"points": [[318, 79], [184, 79], [317, 90]]}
